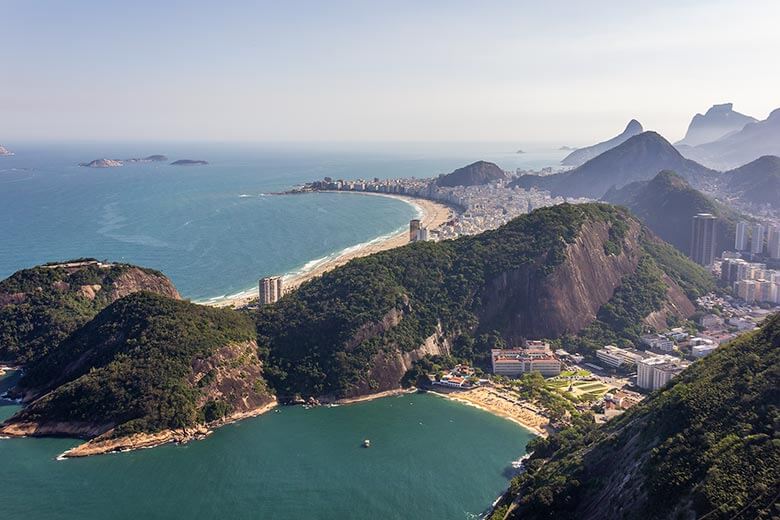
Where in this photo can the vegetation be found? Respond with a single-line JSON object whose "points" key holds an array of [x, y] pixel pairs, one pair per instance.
{"points": [[324, 337], [39, 307], [707, 445], [134, 367]]}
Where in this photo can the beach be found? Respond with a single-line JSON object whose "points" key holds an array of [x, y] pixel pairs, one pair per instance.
{"points": [[431, 214], [502, 404]]}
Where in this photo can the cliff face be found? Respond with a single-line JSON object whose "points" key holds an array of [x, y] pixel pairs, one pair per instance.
{"points": [[520, 304], [39, 307]]}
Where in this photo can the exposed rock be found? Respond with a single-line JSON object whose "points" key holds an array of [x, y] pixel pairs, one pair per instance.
{"points": [[103, 163], [719, 121]]}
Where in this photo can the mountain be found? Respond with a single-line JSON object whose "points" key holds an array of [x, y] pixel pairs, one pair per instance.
{"points": [[640, 158], [583, 155], [706, 445], [560, 270], [480, 172], [741, 147], [146, 370], [719, 121], [756, 183], [39, 307], [667, 203]]}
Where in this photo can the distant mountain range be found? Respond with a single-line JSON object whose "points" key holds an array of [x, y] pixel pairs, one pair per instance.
{"points": [[667, 203], [480, 172], [720, 120], [639, 158], [754, 140], [583, 155]]}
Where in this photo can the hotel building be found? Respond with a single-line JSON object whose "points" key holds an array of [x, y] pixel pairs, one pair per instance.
{"points": [[515, 362]]}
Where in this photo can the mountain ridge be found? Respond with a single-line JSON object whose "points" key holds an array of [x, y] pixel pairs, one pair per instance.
{"points": [[583, 155]]}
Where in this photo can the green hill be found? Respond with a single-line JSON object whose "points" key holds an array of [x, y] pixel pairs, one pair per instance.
{"points": [[39, 307], [145, 364], [358, 329], [705, 446], [667, 204]]}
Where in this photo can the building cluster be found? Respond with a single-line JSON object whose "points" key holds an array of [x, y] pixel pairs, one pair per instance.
{"points": [[271, 289], [536, 356], [482, 207], [751, 281], [758, 238]]}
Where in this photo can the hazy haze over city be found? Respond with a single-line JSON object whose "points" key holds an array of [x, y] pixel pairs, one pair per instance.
{"points": [[565, 72]]}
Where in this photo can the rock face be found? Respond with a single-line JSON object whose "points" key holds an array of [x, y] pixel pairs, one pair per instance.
{"points": [[480, 172], [719, 121], [639, 158], [39, 307], [103, 163], [583, 155], [521, 305], [4, 152], [754, 140]]}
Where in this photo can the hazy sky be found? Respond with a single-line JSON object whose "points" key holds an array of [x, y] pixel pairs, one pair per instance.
{"points": [[565, 72]]}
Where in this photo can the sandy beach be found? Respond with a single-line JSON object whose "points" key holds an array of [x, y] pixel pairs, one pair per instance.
{"points": [[432, 215], [502, 404]]}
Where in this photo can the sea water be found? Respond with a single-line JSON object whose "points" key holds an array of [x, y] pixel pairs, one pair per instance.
{"points": [[215, 229]]}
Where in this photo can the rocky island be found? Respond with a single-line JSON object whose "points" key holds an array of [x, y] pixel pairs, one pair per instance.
{"points": [[188, 162], [103, 163], [5, 152]]}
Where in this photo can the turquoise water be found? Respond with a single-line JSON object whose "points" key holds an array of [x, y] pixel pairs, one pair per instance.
{"points": [[429, 458], [212, 229]]}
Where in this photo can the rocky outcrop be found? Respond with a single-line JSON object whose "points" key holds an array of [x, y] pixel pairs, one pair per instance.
{"points": [[521, 304], [480, 172], [719, 121], [5, 152], [582, 155]]}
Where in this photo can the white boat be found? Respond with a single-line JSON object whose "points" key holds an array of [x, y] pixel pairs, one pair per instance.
{"points": [[366, 443]]}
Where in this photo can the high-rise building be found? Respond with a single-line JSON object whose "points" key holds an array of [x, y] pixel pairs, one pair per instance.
{"points": [[741, 240], [414, 228], [654, 372], [270, 289], [773, 242], [757, 239], [704, 231]]}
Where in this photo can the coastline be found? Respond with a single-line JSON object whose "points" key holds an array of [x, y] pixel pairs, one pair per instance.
{"points": [[431, 214], [481, 398]]}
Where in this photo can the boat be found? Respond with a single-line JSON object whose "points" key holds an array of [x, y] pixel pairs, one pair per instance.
{"points": [[366, 443]]}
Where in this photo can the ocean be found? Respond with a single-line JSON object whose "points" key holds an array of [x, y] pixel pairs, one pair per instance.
{"points": [[429, 458], [214, 230]]}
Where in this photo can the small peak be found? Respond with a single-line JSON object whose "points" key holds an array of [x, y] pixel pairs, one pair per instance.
{"points": [[774, 115], [634, 127]]}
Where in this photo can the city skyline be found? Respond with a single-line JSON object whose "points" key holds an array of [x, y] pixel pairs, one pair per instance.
{"points": [[344, 71]]}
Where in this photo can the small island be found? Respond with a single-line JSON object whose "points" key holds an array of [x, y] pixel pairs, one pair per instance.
{"points": [[565, 148], [103, 163], [149, 158], [5, 152], [520, 151], [188, 162]]}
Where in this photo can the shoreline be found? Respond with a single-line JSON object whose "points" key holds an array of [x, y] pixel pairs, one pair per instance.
{"points": [[528, 420], [431, 214]]}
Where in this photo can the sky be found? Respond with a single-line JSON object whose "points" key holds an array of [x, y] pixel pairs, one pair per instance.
{"points": [[567, 72]]}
